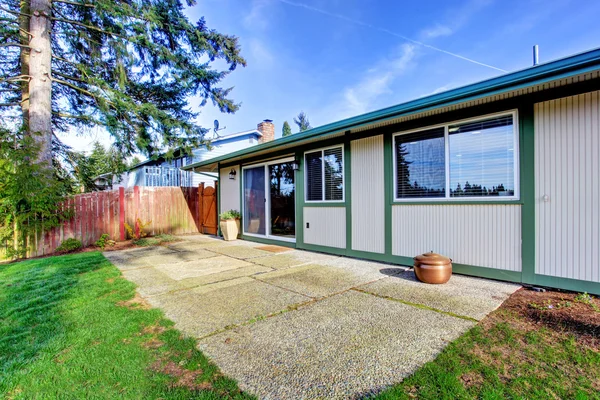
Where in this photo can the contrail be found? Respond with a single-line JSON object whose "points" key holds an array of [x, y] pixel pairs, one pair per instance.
{"points": [[367, 25]]}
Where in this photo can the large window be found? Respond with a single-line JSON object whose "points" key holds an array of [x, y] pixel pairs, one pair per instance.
{"points": [[471, 159], [325, 174], [420, 165]]}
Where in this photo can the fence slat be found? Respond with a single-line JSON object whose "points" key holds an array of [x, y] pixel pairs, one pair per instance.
{"points": [[172, 210]]}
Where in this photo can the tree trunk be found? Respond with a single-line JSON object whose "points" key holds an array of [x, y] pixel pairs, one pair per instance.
{"points": [[24, 39], [40, 85]]}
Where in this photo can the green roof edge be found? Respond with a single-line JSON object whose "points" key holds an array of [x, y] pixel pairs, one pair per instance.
{"points": [[571, 64]]}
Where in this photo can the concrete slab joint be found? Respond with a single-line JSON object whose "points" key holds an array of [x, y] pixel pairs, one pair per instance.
{"points": [[303, 324]]}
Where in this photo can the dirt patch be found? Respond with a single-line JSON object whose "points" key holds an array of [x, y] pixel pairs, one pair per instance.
{"points": [[137, 303], [564, 311], [184, 377], [153, 343], [274, 249], [472, 378], [153, 330]]}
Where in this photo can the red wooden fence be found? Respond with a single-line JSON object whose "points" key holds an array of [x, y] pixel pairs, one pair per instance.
{"points": [[172, 210]]}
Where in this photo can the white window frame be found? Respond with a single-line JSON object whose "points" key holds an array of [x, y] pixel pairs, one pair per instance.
{"points": [[447, 198], [322, 150], [268, 234]]}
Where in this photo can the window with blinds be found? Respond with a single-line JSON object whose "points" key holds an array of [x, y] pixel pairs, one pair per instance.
{"points": [[473, 159], [482, 158], [325, 174], [314, 176], [420, 164]]}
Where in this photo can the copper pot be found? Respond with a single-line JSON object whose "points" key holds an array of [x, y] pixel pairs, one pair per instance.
{"points": [[433, 268]]}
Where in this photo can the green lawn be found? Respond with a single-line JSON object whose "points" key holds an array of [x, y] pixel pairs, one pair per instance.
{"points": [[509, 356], [70, 327]]}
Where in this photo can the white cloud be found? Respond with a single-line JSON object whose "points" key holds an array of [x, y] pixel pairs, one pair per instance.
{"points": [[437, 31], [257, 18], [260, 55], [457, 18], [363, 96]]}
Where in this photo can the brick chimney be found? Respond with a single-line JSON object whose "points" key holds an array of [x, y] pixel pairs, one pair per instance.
{"points": [[267, 128]]}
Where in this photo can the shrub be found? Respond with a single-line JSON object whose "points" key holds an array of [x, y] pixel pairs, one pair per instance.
{"points": [[231, 214], [69, 245], [138, 233], [104, 241]]}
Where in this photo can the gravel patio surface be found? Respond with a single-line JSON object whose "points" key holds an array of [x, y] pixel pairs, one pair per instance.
{"points": [[291, 324]]}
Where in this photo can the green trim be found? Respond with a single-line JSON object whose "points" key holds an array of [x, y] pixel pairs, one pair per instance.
{"points": [[219, 200], [455, 203], [562, 68], [299, 200], [489, 273], [388, 185], [367, 255], [321, 249], [348, 190], [527, 170], [574, 285], [268, 241], [326, 204]]}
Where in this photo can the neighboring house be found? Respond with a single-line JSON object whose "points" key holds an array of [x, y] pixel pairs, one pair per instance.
{"points": [[104, 182], [503, 176], [163, 172]]}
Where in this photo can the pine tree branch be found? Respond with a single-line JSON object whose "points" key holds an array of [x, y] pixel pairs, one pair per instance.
{"points": [[16, 45], [72, 116], [74, 3], [80, 90], [18, 14], [95, 28], [10, 104], [16, 78], [68, 77], [11, 21]]}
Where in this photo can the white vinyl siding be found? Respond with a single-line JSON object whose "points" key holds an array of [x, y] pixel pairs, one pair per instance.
{"points": [[326, 226], [368, 200], [484, 235], [230, 189], [567, 170]]}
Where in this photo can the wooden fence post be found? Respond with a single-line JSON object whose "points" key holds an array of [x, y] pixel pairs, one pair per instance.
{"points": [[122, 213], [136, 204], [201, 207]]}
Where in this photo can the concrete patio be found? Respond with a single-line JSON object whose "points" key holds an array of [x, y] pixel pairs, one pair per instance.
{"points": [[290, 324]]}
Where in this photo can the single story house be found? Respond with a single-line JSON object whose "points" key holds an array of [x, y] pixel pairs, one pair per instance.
{"points": [[503, 176], [164, 171]]}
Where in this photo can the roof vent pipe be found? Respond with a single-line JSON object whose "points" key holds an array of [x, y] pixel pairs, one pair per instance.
{"points": [[536, 55]]}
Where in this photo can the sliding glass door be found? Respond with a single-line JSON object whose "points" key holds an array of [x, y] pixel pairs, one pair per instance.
{"points": [[282, 198], [254, 201], [269, 200]]}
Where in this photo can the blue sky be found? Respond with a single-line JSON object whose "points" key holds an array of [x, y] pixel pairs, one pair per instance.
{"points": [[339, 58]]}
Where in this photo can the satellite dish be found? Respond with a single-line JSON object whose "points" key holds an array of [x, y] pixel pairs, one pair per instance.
{"points": [[216, 129]]}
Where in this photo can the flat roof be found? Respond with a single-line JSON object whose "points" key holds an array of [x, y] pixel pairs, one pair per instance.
{"points": [[541, 73]]}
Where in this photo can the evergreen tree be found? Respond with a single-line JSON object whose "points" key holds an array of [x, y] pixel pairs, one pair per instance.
{"points": [[100, 161], [126, 65], [135, 160], [403, 170], [286, 130], [302, 122]]}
